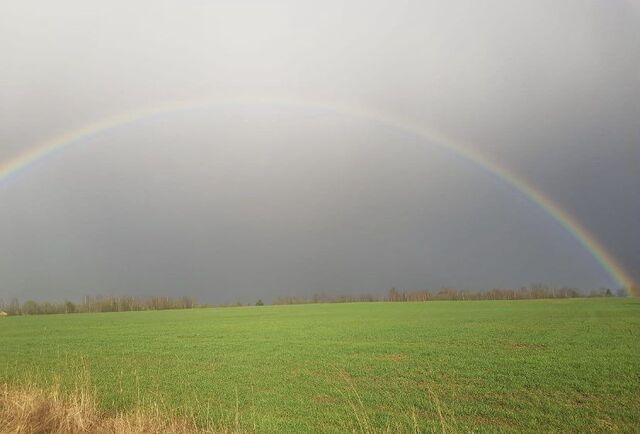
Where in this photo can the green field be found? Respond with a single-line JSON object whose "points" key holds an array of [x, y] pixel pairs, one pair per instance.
{"points": [[482, 366]]}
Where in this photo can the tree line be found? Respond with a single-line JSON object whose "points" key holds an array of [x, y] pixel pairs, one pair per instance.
{"points": [[524, 293], [97, 304], [130, 303], [395, 295]]}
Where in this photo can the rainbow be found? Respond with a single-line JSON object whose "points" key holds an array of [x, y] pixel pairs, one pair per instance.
{"points": [[38, 152]]}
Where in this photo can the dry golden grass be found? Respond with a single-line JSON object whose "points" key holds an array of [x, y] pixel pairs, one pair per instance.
{"points": [[28, 410]]}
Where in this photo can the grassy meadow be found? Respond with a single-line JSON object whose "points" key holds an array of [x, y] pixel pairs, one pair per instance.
{"points": [[484, 366]]}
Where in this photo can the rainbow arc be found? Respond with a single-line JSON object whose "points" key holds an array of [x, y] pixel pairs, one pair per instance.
{"points": [[39, 151]]}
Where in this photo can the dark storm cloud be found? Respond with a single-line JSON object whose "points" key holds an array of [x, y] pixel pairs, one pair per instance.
{"points": [[255, 201]]}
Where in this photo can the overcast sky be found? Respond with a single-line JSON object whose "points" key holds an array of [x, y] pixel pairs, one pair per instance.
{"points": [[246, 200]]}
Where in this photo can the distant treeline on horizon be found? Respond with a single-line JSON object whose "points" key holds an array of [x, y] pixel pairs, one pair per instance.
{"points": [[394, 295], [130, 303]]}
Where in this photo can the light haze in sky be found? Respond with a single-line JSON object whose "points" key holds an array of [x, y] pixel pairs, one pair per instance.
{"points": [[259, 198]]}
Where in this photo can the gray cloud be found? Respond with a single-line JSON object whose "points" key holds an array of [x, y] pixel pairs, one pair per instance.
{"points": [[251, 200]]}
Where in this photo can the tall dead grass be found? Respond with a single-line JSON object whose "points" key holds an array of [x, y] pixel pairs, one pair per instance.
{"points": [[365, 425], [29, 410]]}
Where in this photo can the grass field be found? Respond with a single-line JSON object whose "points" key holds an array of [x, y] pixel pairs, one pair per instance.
{"points": [[482, 366]]}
